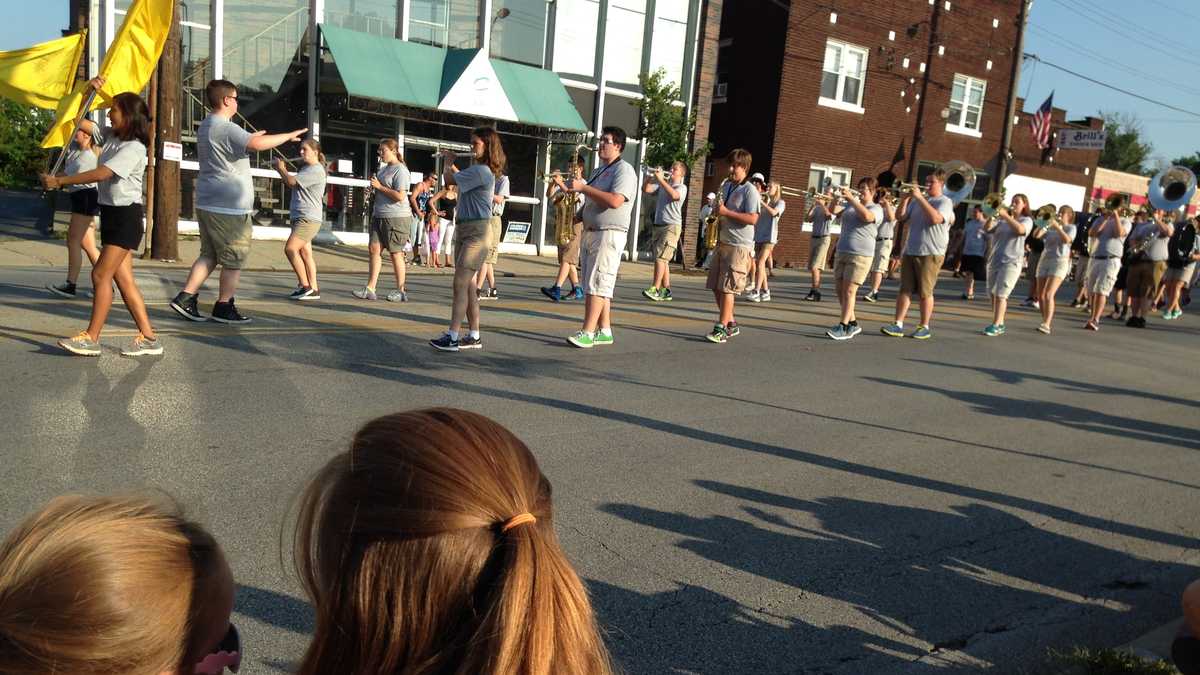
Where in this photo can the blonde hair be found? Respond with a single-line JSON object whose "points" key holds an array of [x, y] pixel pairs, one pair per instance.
{"points": [[402, 546], [106, 585], [1066, 214], [773, 192]]}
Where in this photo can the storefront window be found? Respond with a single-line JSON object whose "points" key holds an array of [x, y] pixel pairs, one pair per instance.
{"points": [[576, 24], [196, 64], [585, 103], [377, 17], [669, 42], [623, 40], [519, 30], [622, 112], [444, 23], [194, 11]]}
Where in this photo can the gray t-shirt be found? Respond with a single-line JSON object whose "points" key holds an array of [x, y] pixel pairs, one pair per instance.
{"points": [[308, 197], [80, 161], [127, 160], [887, 230], [1008, 247], [501, 189], [1058, 247], [820, 223], [224, 184], [766, 230], [858, 236], [1109, 244], [742, 198], [620, 178], [974, 242], [925, 238], [476, 186], [1158, 247], [666, 210], [394, 177]]}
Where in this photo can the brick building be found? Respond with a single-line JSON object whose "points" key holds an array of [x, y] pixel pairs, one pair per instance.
{"points": [[867, 89]]}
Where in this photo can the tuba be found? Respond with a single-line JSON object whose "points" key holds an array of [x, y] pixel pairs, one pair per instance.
{"points": [[712, 224], [1172, 189]]}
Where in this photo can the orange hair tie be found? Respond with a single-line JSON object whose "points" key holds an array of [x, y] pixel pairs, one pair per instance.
{"points": [[519, 519]]}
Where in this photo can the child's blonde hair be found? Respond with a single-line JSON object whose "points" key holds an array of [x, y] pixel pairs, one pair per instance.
{"points": [[107, 585]]}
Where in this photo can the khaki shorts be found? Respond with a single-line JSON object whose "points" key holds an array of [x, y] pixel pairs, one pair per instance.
{"points": [[569, 253], [1183, 274], [391, 233], [762, 249], [919, 274], [470, 244], [305, 229], [852, 268], [883, 256], [225, 238], [1143, 278], [665, 241], [493, 240], [600, 257], [1102, 275], [1053, 267], [1002, 278], [729, 268], [818, 252]]}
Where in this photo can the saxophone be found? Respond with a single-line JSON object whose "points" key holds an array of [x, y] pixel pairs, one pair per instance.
{"points": [[712, 224], [564, 217]]}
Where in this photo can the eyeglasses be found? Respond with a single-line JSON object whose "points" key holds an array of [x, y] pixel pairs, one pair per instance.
{"points": [[227, 654], [606, 141]]}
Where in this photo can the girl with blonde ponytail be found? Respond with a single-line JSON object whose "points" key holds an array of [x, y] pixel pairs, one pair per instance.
{"points": [[429, 547]]}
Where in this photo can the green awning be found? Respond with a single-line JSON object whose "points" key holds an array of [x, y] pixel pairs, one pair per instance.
{"points": [[454, 80]]}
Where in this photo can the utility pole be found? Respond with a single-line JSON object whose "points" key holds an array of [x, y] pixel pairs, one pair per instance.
{"points": [[164, 237], [1010, 109], [911, 173]]}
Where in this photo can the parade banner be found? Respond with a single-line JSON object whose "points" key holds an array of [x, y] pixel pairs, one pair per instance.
{"points": [[41, 75]]}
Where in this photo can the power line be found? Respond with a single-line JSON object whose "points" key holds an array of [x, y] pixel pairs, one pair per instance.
{"points": [[1112, 63], [1166, 6], [1084, 12], [1109, 86]]}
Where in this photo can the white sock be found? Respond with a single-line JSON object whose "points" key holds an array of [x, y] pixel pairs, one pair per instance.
{"points": [[474, 335], [453, 334], [606, 332], [899, 324]]}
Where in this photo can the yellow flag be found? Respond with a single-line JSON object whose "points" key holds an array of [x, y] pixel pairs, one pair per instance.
{"points": [[42, 74], [128, 64]]}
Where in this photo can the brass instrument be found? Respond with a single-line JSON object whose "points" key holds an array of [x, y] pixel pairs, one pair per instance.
{"points": [[791, 191], [1172, 189], [993, 204], [712, 224], [549, 177], [1044, 216], [651, 170], [960, 181], [564, 217], [812, 193], [1117, 204]]}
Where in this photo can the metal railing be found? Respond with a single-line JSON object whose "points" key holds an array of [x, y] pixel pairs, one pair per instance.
{"points": [[273, 46]]}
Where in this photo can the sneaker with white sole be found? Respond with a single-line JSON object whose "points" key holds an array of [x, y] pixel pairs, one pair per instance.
{"points": [[397, 296], [582, 340], [602, 339], [226, 312], [753, 296], [143, 346], [717, 335], [186, 305], [64, 290], [309, 294], [364, 293], [871, 297], [300, 290], [838, 332], [468, 342], [853, 329], [445, 343], [81, 345], [765, 296]]}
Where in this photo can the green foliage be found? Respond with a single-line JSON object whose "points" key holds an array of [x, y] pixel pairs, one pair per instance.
{"points": [[1124, 150], [1109, 662], [1191, 161], [666, 128], [21, 131]]}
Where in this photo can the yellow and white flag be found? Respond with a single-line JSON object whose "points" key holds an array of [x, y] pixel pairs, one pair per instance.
{"points": [[128, 64], [43, 74]]}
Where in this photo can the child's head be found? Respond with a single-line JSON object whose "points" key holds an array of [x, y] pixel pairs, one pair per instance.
{"points": [[430, 543], [113, 585]]}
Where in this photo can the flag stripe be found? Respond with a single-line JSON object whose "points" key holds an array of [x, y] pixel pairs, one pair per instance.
{"points": [[1040, 123]]}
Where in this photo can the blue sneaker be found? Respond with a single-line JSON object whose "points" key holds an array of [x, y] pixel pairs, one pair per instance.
{"points": [[1002, 329], [838, 332], [445, 343], [992, 330], [577, 295], [921, 333], [892, 330], [552, 292]]}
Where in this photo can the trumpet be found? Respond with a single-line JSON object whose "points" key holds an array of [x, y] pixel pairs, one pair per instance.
{"points": [[654, 169], [1045, 216], [992, 204], [549, 177]]}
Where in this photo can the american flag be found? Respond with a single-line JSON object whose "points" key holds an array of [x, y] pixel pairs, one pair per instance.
{"points": [[1040, 124]]}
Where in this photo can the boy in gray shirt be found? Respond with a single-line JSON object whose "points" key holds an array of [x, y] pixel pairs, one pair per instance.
{"points": [[928, 220], [670, 192], [224, 202], [739, 206]]}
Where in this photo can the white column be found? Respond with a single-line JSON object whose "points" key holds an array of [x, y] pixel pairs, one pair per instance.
{"points": [[407, 6], [217, 46], [540, 188], [316, 17], [485, 25]]}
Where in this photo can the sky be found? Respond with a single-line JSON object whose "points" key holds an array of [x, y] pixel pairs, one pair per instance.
{"points": [[1146, 52]]}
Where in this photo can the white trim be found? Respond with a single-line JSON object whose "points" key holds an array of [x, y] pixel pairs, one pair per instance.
{"points": [[217, 48], [281, 233], [405, 12], [193, 24], [624, 94], [848, 107], [567, 82], [955, 129]]}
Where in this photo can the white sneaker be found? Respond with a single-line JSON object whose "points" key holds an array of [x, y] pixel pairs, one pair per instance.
{"points": [[765, 297], [752, 296]]}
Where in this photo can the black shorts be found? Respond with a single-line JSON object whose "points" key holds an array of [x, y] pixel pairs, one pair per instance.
{"points": [[121, 226], [1122, 276], [975, 265], [85, 202]]}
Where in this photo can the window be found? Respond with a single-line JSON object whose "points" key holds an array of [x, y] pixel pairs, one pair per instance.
{"points": [[444, 23], [966, 105], [668, 44], [520, 35], [842, 76], [377, 17], [822, 177], [575, 31], [623, 40]]}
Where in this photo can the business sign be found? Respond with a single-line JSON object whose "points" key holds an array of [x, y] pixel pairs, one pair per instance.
{"points": [[172, 152], [1081, 139], [517, 232]]}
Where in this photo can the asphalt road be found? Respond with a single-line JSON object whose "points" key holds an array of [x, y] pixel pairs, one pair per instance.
{"points": [[778, 504]]}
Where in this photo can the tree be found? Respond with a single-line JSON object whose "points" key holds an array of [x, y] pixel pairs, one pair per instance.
{"points": [[1124, 149], [1191, 161], [21, 132], [666, 128]]}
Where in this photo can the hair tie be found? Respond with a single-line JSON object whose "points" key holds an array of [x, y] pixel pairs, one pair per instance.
{"points": [[519, 519]]}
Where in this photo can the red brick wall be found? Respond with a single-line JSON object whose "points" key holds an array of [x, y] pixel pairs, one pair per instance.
{"points": [[707, 67]]}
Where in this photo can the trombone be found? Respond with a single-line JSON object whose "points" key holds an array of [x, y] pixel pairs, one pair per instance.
{"points": [[787, 191]]}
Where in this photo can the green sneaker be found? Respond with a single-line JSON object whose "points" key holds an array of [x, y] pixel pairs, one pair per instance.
{"points": [[651, 293], [582, 340], [992, 330], [718, 334], [602, 339]]}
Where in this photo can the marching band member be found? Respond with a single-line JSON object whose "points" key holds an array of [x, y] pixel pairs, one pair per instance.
{"points": [[1183, 251], [821, 215], [488, 273], [668, 225], [766, 234], [1008, 231], [1082, 248], [731, 261], [927, 221], [883, 246], [1148, 265], [1055, 262], [307, 213], [855, 252], [391, 221], [567, 205], [609, 197], [705, 257], [1110, 232], [1034, 247], [476, 184], [974, 251]]}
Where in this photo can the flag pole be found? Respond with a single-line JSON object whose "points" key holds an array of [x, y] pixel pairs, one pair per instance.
{"points": [[84, 109]]}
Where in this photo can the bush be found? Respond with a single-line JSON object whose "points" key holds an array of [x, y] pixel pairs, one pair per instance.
{"points": [[21, 131]]}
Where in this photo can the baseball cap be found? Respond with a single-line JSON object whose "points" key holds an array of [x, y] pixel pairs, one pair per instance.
{"points": [[711, 195], [757, 177]]}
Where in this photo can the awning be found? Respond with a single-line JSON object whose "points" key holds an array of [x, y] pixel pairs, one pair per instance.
{"points": [[453, 80]]}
